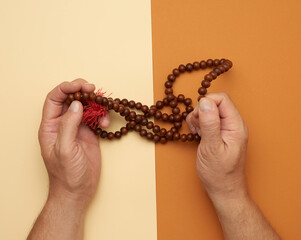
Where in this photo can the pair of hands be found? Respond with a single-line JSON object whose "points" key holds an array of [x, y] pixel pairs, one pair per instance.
{"points": [[72, 155]]}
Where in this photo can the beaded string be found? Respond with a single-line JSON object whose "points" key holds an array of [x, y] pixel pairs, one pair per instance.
{"points": [[141, 123]]}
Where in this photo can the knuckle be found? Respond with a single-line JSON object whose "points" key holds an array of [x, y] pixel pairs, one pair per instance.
{"points": [[79, 80], [225, 95]]}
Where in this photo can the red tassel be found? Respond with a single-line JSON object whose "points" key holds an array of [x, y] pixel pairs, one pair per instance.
{"points": [[94, 112]]}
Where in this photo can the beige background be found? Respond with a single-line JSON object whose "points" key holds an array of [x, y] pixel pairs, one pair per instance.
{"points": [[44, 43]]}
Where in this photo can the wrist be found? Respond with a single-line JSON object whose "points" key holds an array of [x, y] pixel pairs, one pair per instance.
{"points": [[68, 200], [230, 201]]}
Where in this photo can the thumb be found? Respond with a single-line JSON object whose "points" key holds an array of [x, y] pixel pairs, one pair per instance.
{"points": [[209, 121], [69, 124]]}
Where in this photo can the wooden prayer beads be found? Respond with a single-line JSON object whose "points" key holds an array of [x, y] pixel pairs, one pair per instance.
{"points": [[140, 122]]}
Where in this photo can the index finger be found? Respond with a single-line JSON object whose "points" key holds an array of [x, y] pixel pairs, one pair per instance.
{"points": [[229, 114], [53, 105]]}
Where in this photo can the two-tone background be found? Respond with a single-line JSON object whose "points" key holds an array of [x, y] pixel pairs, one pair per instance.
{"points": [[152, 191]]}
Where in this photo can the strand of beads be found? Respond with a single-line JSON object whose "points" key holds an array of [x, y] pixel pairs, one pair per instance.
{"points": [[141, 123]]}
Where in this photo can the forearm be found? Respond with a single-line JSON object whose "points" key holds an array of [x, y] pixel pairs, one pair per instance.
{"points": [[241, 219], [61, 218]]}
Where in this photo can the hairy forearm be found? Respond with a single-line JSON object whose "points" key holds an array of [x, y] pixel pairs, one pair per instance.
{"points": [[241, 219], [61, 218]]}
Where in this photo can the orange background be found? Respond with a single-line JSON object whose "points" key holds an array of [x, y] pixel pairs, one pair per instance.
{"points": [[263, 39]]}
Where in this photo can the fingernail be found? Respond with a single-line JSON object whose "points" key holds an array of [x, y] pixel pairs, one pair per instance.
{"points": [[205, 105], [74, 106]]}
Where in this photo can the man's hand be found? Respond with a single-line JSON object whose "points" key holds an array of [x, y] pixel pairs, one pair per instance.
{"points": [[221, 153], [72, 157], [220, 164]]}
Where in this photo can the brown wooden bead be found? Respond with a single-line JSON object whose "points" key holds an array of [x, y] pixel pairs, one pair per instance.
{"points": [[128, 126], [171, 77], [85, 96], [110, 104], [132, 115], [190, 137], [181, 98], [117, 100], [173, 129], [156, 138], [158, 114], [182, 68], [138, 105], [131, 104], [143, 133], [176, 136], [187, 101], [104, 101], [92, 96], [206, 84], [168, 84], [218, 72], [226, 67], [171, 118], [149, 125], [67, 101], [178, 118], [202, 91], [209, 63], [110, 135], [208, 77], [189, 109], [123, 130], [104, 134], [138, 128], [163, 140], [177, 125], [143, 121], [213, 74], [168, 91], [151, 112], [98, 131], [184, 115], [197, 138], [173, 104], [189, 67], [115, 106], [170, 97], [149, 136], [156, 129], [183, 137], [159, 104], [169, 135], [176, 72], [196, 65], [77, 96], [121, 109], [222, 61], [176, 110], [144, 109], [124, 102], [203, 64], [164, 117], [117, 134], [216, 62], [163, 131], [222, 69], [71, 97], [165, 102], [139, 118], [98, 99], [132, 124], [127, 118]]}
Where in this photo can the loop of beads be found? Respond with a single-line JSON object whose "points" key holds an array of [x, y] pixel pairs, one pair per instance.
{"points": [[141, 123]]}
